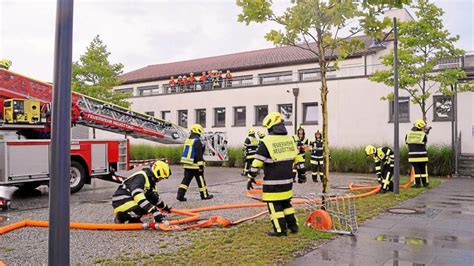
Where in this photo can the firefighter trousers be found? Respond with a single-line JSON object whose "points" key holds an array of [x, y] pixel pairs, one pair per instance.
{"points": [[132, 215], [247, 165], [282, 216], [317, 168], [387, 175], [189, 174], [421, 173]]}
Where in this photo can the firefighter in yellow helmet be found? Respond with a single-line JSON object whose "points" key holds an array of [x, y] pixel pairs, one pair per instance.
{"points": [[192, 160], [384, 163], [416, 140], [5, 64], [302, 144], [137, 195], [276, 155], [260, 135], [250, 148]]}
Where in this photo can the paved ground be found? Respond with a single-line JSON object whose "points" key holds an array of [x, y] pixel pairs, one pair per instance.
{"points": [[441, 234], [93, 204]]}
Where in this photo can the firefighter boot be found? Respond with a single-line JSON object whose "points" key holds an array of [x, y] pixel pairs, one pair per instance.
{"points": [[181, 193], [277, 234]]}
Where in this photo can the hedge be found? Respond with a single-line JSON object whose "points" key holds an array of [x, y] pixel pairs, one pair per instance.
{"points": [[342, 159]]}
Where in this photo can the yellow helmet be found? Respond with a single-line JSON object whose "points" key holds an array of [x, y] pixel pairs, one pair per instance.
{"points": [[161, 170], [420, 123], [251, 131], [196, 128], [261, 134], [272, 119], [5, 63], [370, 149]]}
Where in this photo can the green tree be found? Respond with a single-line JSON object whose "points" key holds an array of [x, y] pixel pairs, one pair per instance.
{"points": [[95, 76], [422, 44], [326, 29]]}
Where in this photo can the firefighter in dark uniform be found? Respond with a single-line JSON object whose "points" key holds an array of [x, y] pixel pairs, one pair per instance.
{"points": [[317, 157], [384, 163], [137, 195], [302, 144], [193, 164], [250, 148], [276, 155], [416, 140]]}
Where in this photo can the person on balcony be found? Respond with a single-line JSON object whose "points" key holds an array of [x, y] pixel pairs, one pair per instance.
{"points": [[172, 84], [191, 82], [228, 79]]}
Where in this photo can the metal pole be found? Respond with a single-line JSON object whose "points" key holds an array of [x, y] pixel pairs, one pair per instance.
{"points": [[396, 145], [296, 92], [58, 252], [453, 134], [456, 136]]}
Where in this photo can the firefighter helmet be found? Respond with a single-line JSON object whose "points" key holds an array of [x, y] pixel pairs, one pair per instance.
{"points": [[261, 134], [161, 170], [370, 149], [420, 123], [5, 63], [196, 128], [272, 119], [251, 131]]}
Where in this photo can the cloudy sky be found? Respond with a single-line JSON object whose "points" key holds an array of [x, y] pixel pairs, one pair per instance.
{"points": [[144, 32]]}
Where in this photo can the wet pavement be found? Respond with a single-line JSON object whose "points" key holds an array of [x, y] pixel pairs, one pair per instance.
{"points": [[439, 232]]}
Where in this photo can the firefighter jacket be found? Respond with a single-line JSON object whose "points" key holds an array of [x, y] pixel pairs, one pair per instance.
{"points": [[383, 158], [250, 147], [416, 140], [317, 149], [192, 156], [300, 143], [137, 190], [276, 156]]}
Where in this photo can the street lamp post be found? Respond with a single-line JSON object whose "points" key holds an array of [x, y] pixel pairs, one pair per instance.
{"points": [[396, 124], [296, 92]]}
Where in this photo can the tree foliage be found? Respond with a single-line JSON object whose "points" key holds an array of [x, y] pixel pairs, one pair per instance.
{"points": [[95, 76], [326, 29], [422, 44]]}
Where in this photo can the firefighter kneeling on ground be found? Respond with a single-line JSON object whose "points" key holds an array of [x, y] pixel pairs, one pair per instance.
{"points": [[250, 148], [137, 195], [384, 163], [416, 140], [192, 159], [277, 154]]}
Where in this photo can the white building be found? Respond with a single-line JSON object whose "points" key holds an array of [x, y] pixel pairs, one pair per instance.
{"points": [[263, 81]]}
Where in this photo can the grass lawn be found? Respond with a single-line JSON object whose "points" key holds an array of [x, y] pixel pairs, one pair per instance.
{"points": [[248, 243]]}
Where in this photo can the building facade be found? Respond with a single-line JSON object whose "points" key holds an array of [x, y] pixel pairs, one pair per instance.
{"points": [[264, 80]]}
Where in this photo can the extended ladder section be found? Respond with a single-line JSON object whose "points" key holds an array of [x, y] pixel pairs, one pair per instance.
{"points": [[92, 112]]}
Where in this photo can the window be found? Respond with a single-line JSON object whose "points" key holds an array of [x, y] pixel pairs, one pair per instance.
{"points": [[449, 63], [279, 77], [286, 110], [124, 90], [309, 74], [201, 117], [403, 110], [150, 113], [310, 113], [442, 110], [242, 81], [166, 115], [148, 90], [260, 112], [183, 118], [219, 117], [240, 116]]}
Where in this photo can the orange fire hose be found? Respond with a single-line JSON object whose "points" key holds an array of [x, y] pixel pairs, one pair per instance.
{"points": [[192, 215]]}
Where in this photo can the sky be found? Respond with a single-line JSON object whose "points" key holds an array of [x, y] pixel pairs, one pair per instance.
{"points": [[146, 32]]}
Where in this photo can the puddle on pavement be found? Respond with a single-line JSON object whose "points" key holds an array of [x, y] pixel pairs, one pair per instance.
{"points": [[448, 203], [447, 238], [463, 212], [463, 196], [3, 219], [458, 199], [413, 241]]}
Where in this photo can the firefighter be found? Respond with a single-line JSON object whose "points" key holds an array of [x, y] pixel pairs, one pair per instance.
{"points": [[137, 195], [416, 140], [193, 164], [384, 159], [276, 155], [317, 157], [260, 135], [250, 148], [302, 144]]}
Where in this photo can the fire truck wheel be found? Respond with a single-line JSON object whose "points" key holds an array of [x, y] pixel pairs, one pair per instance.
{"points": [[78, 176]]}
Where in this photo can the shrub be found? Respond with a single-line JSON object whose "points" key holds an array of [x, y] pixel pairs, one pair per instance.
{"points": [[342, 159]]}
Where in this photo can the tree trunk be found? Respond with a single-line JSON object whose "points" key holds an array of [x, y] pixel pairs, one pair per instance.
{"points": [[324, 108]]}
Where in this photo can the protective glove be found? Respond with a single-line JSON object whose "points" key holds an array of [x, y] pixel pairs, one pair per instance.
{"points": [[250, 183], [158, 217], [167, 209]]}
